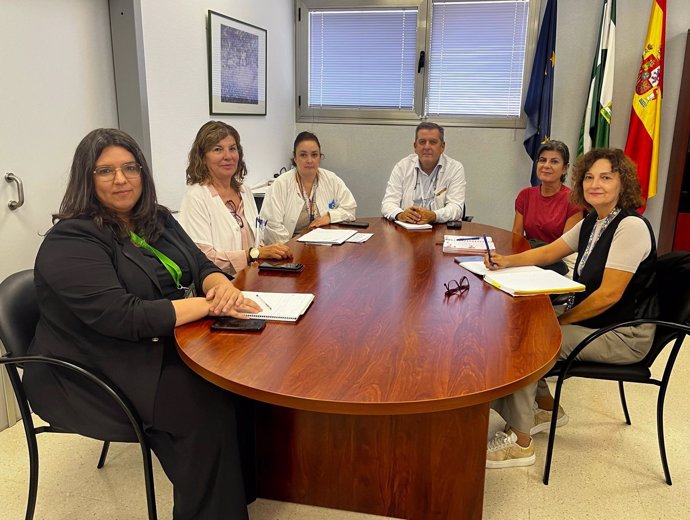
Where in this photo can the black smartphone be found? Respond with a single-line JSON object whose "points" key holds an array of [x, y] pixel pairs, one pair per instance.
{"points": [[354, 223], [229, 323], [281, 268], [454, 224]]}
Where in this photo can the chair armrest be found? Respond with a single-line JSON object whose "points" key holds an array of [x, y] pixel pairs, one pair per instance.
{"points": [[600, 332], [101, 381]]}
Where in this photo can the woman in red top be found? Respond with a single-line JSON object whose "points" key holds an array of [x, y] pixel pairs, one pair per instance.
{"points": [[544, 212]]}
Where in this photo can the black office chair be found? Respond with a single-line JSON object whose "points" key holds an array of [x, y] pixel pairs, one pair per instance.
{"points": [[673, 324], [465, 217], [18, 318]]}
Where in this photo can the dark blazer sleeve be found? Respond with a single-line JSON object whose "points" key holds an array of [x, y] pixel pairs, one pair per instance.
{"points": [[87, 272]]}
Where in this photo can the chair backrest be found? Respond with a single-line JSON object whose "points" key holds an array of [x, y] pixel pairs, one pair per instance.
{"points": [[673, 289], [673, 279], [18, 312]]}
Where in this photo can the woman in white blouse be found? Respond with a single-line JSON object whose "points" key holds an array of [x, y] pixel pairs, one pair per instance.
{"points": [[307, 196], [218, 211]]}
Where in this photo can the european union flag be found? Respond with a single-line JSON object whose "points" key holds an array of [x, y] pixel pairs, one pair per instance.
{"points": [[539, 98]]}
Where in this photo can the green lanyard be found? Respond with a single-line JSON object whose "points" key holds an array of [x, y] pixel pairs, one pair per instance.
{"points": [[169, 265]]}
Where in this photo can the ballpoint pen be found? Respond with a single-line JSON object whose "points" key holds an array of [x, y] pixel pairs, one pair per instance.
{"points": [[488, 252], [263, 302]]}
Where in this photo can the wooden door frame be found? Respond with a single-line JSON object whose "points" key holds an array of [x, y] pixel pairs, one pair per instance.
{"points": [[676, 164]]}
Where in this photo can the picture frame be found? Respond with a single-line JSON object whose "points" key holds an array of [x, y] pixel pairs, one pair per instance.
{"points": [[236, 66]]}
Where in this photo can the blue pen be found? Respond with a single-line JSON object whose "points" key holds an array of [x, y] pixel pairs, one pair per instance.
{"points": [[488, 252]]}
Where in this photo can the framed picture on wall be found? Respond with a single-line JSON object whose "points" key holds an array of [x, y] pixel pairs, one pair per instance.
{"points": [[236, 66]]}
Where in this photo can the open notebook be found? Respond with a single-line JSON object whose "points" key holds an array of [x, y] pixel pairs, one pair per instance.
{"points": [[280, 306], [526, 280], [464, 244]]}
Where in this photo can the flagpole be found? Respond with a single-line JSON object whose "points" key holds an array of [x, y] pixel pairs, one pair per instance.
{"points": [[539, 98], [596, 122]]}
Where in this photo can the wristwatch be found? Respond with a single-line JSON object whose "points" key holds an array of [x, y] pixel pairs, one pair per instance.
{"points": [[253, 254]]}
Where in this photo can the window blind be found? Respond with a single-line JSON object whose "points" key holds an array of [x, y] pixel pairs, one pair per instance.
{"points": [[362, 58], [477, 58]]}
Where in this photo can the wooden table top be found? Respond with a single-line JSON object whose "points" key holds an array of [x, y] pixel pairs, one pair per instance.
{"points": [[381, 337]]}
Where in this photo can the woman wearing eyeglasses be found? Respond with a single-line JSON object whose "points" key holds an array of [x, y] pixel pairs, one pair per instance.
{"points": [[307, 196], [114, 277], [218, 211]]}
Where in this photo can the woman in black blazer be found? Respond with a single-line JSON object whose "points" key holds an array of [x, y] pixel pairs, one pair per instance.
{"points": [[114, 276]]}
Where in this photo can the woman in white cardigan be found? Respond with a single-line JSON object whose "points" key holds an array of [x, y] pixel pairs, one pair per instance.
{"points": [[307, 196], [218, 212]]}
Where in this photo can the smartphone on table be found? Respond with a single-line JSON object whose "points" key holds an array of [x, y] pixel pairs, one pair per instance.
{"points": [[281, 268], [228, 323]]}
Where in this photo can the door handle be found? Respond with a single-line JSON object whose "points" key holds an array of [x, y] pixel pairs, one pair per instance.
{"points": [[15, 204]]}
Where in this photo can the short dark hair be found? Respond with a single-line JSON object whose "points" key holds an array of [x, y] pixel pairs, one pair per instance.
{"points": [[428, 125], [301, 137], [80, 199], [631, 194], [559, 147], [208, 136]]}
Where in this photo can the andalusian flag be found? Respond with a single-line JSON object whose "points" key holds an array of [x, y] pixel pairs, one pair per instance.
{"points": [[642, 145], [539, 99], [596, 123]]}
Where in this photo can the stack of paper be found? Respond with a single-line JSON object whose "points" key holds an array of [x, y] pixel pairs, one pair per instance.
{"points": [[526, 280], [279, 306], [413, 227], [462, 244], [326, 236], [360, 238]]}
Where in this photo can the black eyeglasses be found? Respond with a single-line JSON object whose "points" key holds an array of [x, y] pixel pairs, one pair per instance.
{"points": [[233, 210], [457, 286]]}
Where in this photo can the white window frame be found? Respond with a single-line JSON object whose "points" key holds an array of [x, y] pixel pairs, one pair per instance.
{"points": [[306, 114]]}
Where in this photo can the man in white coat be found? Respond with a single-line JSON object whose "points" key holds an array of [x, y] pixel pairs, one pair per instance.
{"points": [[426, 186]]}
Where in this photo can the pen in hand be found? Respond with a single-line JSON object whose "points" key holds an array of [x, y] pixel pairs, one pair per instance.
{"points": [[488, 252]]}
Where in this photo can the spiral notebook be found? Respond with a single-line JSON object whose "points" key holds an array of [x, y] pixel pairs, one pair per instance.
{"points": [[463, 244], [279, 306]]}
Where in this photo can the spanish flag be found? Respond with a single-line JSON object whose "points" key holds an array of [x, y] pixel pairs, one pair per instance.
{"points": [[642, 145]]}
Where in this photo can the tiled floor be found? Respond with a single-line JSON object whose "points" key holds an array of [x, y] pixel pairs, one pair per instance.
{"points": [[602, 469]]}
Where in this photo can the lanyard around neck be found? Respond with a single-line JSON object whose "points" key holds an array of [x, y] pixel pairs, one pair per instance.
{"points": [[310, 202], [433, 181], [594, 239], [170, 266]]}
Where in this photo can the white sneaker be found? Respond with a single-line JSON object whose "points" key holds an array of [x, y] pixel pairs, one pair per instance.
{"points": [[542, 420], [503, 451]]}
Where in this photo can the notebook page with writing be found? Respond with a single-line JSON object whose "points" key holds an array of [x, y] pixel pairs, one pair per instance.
{"points": [[279, 306], [463, 244]]}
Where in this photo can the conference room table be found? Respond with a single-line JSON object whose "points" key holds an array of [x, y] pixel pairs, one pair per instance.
{"points": [[377, 399]]}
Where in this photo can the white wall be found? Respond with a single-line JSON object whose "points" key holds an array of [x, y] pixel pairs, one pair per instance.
{"points": [[495, 161], [175, 54], [57, 85]]}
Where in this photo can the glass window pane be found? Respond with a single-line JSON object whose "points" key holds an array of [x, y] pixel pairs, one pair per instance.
{"points": [[362, 58], [477, 58]]}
